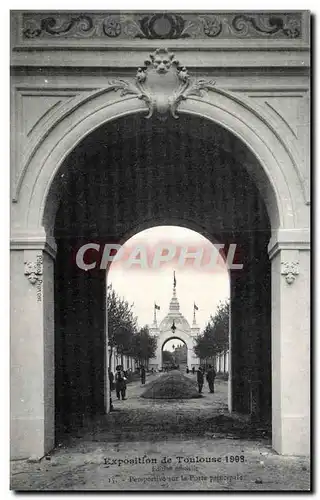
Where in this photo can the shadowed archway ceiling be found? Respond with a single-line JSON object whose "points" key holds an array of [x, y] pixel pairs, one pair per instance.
{"points": [[135, 170]]}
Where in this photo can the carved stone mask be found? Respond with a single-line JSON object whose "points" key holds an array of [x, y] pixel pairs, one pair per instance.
{"points": [[162, 61], [290, 278], [33, 278]]}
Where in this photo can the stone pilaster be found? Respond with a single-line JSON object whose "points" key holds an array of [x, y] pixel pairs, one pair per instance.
{"points": [[32, 346], [290, 260]]}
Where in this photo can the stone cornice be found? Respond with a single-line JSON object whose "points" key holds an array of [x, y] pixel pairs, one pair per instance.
{"points": [[289, 239], [37, 241], [111, 31]]}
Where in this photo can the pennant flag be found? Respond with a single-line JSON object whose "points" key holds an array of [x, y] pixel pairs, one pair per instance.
{"points": [[156, 307], [174, 279], [196, 308]]}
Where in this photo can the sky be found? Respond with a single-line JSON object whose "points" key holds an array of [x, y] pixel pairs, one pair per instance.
{"points": [[142, 285]]}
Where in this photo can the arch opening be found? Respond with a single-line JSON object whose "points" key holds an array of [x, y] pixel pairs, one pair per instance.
{"points": [[174, 354], [178, 303], [159, 177]]}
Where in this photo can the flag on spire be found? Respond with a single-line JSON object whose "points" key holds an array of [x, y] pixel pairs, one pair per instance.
{"points": [[156, 307], [174, 279], [196, 308]]}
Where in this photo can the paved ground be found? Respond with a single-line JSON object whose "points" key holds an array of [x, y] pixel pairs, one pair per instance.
{"points": [[182, 445]]}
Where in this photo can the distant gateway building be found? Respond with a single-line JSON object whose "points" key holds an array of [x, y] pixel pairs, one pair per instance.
{"points": [[174, 326]]}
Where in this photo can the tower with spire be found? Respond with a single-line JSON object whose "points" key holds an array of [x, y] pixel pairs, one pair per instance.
{"points": [[174, 325]]}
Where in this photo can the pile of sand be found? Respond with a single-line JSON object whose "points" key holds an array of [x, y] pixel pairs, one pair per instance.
{"points": [[175, 385]]}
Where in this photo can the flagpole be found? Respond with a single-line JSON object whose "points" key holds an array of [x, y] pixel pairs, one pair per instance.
{"points": [[195, 308]]}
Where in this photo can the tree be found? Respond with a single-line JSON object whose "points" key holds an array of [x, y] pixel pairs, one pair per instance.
{"points": [[215, 338], [122, 324], [219, 324], [143, 345], [205, 346]]}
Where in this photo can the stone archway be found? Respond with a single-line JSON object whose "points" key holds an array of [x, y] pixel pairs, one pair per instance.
{"points": [[192, 360], [167, 335], [178, 337], [34, 249]]}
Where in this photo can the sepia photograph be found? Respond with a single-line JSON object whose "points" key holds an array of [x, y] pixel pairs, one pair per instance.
{"points": [[160, 194]]}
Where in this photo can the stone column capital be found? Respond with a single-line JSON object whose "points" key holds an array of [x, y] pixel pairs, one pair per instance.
{"points": [[288, 239], [33, 240]]}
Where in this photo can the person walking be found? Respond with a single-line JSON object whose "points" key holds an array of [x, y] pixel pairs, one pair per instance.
{"points": [[187, 370], [193, 370], [121, 382], [211, 375], [200, 379], [143, 375]]}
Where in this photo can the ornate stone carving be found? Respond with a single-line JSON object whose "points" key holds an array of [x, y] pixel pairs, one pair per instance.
{"points": [[111, 27], [33, 270], [162, 83], [56, 26], [267, 26], [162, 25], [211, 25], [290, 270]]}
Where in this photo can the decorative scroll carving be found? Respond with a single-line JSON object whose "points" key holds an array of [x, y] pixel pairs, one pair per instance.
{"points": [[162, 25], [290, 270], [33, 270], [162, 83], [269, 26], [54, 26]]}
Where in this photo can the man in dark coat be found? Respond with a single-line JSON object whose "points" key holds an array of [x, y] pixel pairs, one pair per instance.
{"points": [[211, 375], [143, 375], [200, 379], [121, 383]]}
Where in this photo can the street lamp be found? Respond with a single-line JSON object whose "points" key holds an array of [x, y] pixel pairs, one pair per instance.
{"points": [[173, 329]]}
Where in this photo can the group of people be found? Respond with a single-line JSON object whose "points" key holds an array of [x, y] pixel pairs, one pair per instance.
{"points": [[119, 380], [188, 371], [210, 376]]}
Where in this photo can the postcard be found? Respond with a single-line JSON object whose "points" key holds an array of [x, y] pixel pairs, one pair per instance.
{"points": [[160, 250]]}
